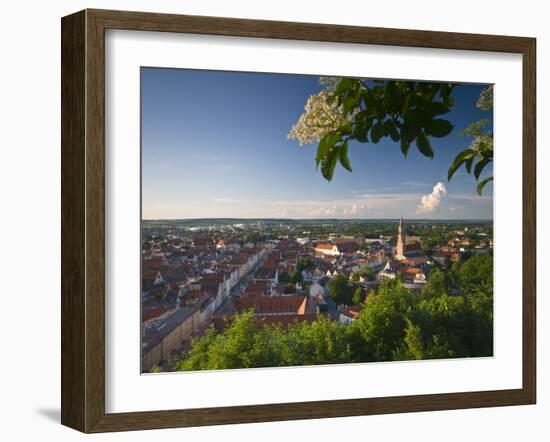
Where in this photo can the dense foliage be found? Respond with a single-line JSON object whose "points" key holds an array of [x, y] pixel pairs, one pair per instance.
{"points": [[479, 153], [406, 111], [409, 112], [341, 290], [451, 317]]}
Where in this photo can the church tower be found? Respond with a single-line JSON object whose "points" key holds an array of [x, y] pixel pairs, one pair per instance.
{"points": [[400, 249]]}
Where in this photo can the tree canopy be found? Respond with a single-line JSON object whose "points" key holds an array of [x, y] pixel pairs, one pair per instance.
{"points": [[340, 289]]}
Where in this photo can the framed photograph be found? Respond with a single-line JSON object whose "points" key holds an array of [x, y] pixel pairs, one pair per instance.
{"points": [[266, 221]]}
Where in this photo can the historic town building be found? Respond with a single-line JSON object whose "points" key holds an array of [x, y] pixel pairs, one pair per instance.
{"points": [[409, 248], [400, 249]]}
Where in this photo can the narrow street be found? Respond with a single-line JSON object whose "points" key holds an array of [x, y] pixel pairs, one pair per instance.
{"points": [[238, 289]]}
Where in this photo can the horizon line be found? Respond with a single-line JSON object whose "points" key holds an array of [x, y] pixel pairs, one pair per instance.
{"points": [[313, 219]]}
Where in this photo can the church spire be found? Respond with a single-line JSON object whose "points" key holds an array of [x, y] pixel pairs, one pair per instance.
{"points": [[400, 249]]}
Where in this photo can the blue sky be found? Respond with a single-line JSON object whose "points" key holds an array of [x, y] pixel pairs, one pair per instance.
{"points": [[214, 144]]}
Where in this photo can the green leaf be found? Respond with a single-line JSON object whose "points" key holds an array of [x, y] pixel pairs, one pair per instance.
{"points": [[328, 141], [480, 166], [448, 101], [405, 144], [439, 128], [362, 126], [482, 184], [405, 108], [344, 86], [346, 128], [349, 103], [459, 159], [444, 90], [424, 145], [329, 163], [394, 134], [381, 109], [393, 97], [438, 108], [469, 163], [343, 156], [388, 126], [370, 101], [376, 132]]}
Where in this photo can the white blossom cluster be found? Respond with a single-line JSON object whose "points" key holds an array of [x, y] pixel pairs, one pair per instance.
{"points": [[329, 83], [485, 100], [321, 116], [486, 139]]}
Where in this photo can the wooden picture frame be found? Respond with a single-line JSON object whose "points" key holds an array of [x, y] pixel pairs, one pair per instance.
{"points": [[83, 220]]}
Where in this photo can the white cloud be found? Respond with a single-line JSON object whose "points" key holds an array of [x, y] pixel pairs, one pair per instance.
{"points": [[325, 211], [355, 209], [430, 203], [363, 206]]}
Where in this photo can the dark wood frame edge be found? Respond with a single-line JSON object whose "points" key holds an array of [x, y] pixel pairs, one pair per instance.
{"points": [[83, 216]]}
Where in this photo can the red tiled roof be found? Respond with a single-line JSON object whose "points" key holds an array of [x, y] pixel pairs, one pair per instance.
{"points": [[273, 305], [407, 262], [156, 263], [149, 275], [200, 241], [413, 247], [212, 287], [175, 275], [287, 268], [353, 311], [258, 286], [152, 312], [239, 259], [266, 273], [212, 277], [324, 246], [346, 245], [252, 293]]}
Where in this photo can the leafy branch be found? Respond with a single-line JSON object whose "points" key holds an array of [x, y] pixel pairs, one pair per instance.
{"points": [[480, 150], [407, 112]]}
